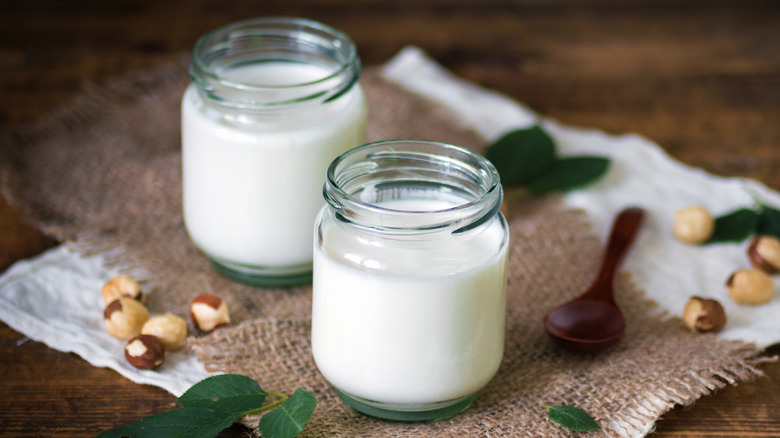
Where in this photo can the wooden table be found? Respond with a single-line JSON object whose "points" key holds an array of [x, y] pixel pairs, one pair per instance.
{"points": [[702, 79]]}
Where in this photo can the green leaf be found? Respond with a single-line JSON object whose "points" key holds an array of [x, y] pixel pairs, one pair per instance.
{"points": [[572, 418], [230, 393], [290, 418], [178, 423], [735, 226], [215, 403], [569, 173], [769, 222], [522, 155]]}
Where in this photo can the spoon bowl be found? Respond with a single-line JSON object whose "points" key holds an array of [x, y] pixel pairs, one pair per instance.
{"points": [[593, 321], [586, 326]]}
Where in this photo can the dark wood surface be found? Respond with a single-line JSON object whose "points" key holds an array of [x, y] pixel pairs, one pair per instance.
{"points": [[702, 79]]}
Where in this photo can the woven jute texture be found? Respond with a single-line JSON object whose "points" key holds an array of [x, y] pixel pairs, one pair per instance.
{"points": [[103, 174]]}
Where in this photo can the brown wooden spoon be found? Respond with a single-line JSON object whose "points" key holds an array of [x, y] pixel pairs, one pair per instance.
{"points": [[593, 321]]}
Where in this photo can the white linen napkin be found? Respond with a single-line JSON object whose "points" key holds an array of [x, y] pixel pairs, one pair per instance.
{"points": [[55, 299], [52, 298], [641, 174]]}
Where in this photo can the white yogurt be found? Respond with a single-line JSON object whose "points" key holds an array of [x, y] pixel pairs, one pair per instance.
{"points": [[252, 185], [409, 324]]}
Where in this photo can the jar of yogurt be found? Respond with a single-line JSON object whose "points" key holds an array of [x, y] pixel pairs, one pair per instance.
{"points": [[409, 279], [271, 103]]}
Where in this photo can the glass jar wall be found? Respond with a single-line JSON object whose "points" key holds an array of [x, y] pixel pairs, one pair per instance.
{"points": [[272, 102], [409, 279]]}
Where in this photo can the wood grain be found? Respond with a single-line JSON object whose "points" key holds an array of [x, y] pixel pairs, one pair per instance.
{"points": [[702, 79]]}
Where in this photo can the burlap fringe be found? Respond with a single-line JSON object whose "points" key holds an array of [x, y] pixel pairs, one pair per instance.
{"points": [[641, 416]]}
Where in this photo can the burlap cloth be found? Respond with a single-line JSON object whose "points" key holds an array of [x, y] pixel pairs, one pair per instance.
{"points": [[104, 173]]}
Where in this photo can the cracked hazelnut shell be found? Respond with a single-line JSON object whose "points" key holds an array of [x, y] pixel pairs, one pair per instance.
{"points": [[764, 253], [209, 312], [145, 352], [704, 315], [125, 317]]}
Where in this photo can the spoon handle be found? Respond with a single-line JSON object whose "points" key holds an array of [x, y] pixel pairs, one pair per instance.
{"points": [[624, 230]]}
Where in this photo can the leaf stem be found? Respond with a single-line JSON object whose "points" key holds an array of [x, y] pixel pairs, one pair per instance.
{"points": [[270, 406]]}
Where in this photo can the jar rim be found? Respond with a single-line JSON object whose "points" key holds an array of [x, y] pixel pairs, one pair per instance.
{"points": [[484, 187], [215, 44]]}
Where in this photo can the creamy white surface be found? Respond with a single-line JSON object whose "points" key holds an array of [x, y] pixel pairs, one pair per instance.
{"points": [[253, 188], [409, 325], [275, 74]]}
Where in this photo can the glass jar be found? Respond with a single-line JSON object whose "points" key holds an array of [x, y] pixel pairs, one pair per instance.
{"points": [[271, 103], [409, 279]]}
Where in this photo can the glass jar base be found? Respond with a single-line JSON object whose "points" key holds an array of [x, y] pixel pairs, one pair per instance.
{"points": [[263, 276], [423, 413]]}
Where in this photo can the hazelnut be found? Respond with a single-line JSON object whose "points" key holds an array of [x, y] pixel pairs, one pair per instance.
{"points": [[704, 315], [145, 352], [693, 225], [171, 329], [750, 286], [764, 253], [124, 317], [121, 286], [209, 312]]}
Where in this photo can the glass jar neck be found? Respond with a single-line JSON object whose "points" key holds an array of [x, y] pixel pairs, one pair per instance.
{"points": [[412, 188], [273, 65]]}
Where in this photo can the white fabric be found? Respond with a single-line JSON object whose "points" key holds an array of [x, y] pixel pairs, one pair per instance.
{"points": [[640, 174], [54, 297]]}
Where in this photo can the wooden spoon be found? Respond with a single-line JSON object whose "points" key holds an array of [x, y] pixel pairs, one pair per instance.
{"points": [[593, 321]]}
